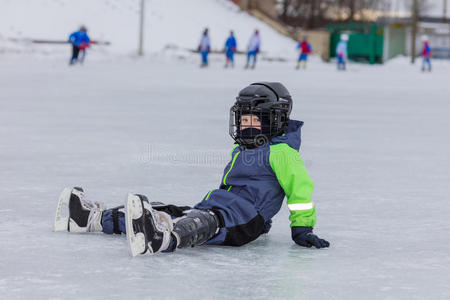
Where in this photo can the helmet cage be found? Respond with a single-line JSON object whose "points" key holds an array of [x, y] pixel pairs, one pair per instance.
{"points": [[273, 118]]}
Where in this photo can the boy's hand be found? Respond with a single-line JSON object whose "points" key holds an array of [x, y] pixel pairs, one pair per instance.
{"points": [[304, 236]]}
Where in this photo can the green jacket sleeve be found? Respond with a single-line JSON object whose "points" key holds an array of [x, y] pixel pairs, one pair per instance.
{"points": [[296, 183]]}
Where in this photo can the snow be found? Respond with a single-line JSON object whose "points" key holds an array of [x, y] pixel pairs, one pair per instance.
{"points": [[169, 24], [375, 142]]}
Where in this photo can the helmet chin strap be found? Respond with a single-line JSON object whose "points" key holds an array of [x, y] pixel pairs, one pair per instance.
{"points": [[249, 133]]}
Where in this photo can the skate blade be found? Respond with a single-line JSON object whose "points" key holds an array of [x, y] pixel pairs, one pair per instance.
{"points": [[133, 211], [61, 220]]}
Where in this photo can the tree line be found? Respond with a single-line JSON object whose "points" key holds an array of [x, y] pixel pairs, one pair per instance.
{"points": [[311, 14]]}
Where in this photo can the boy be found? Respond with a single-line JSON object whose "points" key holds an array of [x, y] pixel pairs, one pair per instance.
{"points": [[304, 47], [80, 41], [265, 166], [253, 49], [341, 52], [204, 47], [230, 49], [426, 54]]}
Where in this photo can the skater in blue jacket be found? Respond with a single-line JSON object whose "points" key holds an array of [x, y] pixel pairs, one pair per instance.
{"points": [[230, 49], [80, 41], [264, 168]]}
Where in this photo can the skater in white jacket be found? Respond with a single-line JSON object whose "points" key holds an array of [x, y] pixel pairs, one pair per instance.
{"points": [[204, 47], [341, 52], [253, 49]]}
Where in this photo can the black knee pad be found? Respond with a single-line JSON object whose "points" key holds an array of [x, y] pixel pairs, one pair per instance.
{"points": [[195, 228]]}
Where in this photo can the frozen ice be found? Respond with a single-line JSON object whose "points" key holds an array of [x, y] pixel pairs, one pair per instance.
{"points": [[375, 142]]}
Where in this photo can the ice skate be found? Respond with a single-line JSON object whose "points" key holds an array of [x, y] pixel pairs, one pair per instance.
{"points": [[148, 230], [76, 214]]}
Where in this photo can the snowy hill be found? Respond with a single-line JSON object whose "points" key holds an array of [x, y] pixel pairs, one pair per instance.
{"points": [[176, 24]]}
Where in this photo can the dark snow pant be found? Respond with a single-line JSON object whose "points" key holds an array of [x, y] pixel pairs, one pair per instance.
{"points": [[113, 220], [251, 55], [233, 232], [241, 221], [75, 53], [341, 63], [229, 58], [204, 58], [426, 64]]}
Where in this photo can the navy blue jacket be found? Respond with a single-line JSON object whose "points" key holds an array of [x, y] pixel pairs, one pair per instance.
{"points": [[252, 190]]}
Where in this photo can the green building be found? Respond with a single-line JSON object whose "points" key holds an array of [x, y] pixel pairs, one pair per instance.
{"points": [[372, 43]]}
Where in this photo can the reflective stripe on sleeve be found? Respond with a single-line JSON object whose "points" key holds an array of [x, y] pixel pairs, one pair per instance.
{"points": [[301, 206]]}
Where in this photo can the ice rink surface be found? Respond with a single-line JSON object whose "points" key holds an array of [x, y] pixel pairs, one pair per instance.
{"points": [[375, 141]]}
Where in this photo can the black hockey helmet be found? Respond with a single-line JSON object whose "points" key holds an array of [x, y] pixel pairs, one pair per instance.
{"points": [[270, 102]]}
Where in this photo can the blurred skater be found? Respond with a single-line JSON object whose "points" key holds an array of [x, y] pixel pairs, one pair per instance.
{"points": [[80, 41], [253, 49], [426, 54], [304, 48], [204, 47], [230, 49], [341, 52]]}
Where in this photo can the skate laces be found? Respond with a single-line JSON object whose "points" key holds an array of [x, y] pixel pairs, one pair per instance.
{"points": [[91, 205], [95, 218], [94, 222], [163, 221]]}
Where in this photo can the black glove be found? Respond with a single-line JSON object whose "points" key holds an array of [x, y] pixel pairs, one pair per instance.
{"points": [[304, 236]]}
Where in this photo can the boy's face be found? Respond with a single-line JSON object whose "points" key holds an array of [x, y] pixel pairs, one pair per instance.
{"points": [[250, 121]]}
